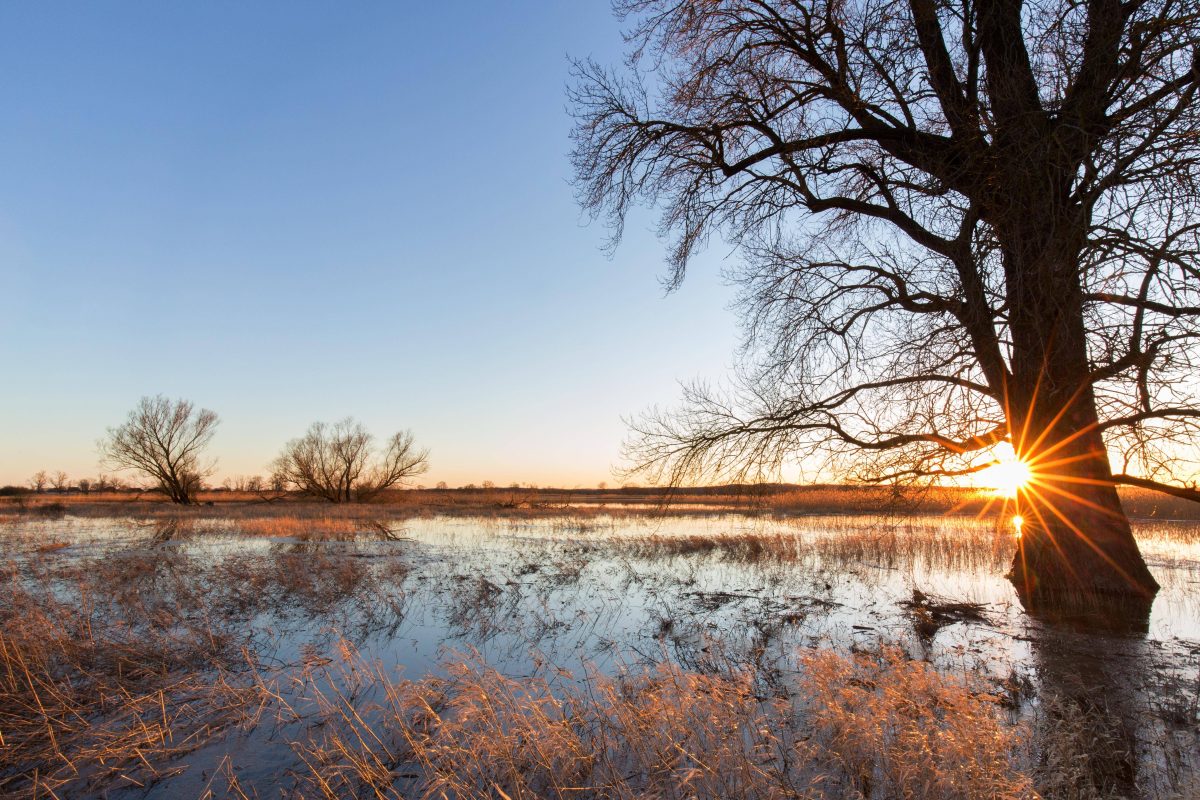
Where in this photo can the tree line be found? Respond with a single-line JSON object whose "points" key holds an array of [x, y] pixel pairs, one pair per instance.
{"points": [[166, 441], [59, 481]]}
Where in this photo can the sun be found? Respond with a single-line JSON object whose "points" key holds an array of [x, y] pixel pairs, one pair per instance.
{"points": [[1007, 476]]}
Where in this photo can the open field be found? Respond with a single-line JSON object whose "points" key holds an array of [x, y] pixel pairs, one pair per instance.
{"points": [[267, 649], [780, 499]]}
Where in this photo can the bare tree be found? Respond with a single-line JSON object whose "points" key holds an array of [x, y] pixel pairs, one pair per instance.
{"points": [[338, 462], [964, 223], [60, 481], [85, 485], [108, 483], [163, 440], [38, 481]]}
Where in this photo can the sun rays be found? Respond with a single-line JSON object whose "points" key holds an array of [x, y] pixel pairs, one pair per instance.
{"points": [[1007, 476], [1042, 482]]}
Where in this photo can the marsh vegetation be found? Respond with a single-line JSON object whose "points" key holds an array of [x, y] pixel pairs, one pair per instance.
{"points": [[382, 651]]}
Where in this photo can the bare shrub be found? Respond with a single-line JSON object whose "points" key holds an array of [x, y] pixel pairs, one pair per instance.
{"points": [[338, 463]]}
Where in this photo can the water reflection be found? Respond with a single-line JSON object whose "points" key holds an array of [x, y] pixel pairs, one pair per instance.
{"points": [[705, 593], [1092, 711]]}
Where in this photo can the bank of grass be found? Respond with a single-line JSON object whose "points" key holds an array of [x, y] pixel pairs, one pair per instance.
{"points": [[781, 500], [979, 546], [769, 499]]}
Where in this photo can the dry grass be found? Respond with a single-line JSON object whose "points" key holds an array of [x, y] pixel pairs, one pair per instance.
{"points": [[891, 727], [113, 684], [299, 528], [113, 669], [827, 542], [115, 665], [773, 499], [876, 726], [86, 703]]}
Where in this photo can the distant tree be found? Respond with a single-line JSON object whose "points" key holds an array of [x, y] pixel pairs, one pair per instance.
{"points": [[338, 462], [489, 484], [163, 440], [108, 483], [254, 483], [39, 480], [602, 485], [237, 483], [85, 485], [441, 485], [60, 481], [964, 223]]}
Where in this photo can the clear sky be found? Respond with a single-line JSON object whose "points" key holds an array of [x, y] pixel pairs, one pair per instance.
{"points": [[289, 212]]}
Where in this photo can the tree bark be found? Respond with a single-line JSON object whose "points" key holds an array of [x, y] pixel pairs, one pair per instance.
{"points": [[1076, 555]]}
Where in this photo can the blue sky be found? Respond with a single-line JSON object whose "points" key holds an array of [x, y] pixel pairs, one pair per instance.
{"points": [[301, 211]]}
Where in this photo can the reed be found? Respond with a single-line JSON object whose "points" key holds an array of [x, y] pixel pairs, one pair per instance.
{"points": [[877, 726]]}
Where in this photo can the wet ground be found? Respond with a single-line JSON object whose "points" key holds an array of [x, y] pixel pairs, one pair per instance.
{"points": [[599, 593]]}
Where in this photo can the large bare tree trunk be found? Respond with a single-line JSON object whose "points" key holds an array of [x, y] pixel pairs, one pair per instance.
{"points": [[1077, 555]]}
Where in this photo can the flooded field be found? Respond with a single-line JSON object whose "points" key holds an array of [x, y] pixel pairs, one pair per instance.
{"points": [[598, 655]]}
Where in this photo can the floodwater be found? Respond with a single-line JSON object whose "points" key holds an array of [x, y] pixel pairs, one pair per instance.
{"points": [[596, 592]]}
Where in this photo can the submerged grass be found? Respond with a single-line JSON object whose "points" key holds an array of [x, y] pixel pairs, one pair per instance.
{"points": [[91, 701], [116, 664], [870, 726], [86, 702]]}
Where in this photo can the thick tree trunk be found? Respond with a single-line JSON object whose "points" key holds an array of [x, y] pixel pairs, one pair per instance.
{"points": [[1077, 556]]}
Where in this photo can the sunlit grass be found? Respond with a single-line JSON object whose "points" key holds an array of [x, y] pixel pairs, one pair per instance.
{"points": [[117, 662], [869, 725]]}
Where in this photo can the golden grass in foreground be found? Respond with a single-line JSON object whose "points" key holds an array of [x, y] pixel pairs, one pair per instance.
{"points": [[88, 704], [85, 707], [865, 726], [113, 669]]}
